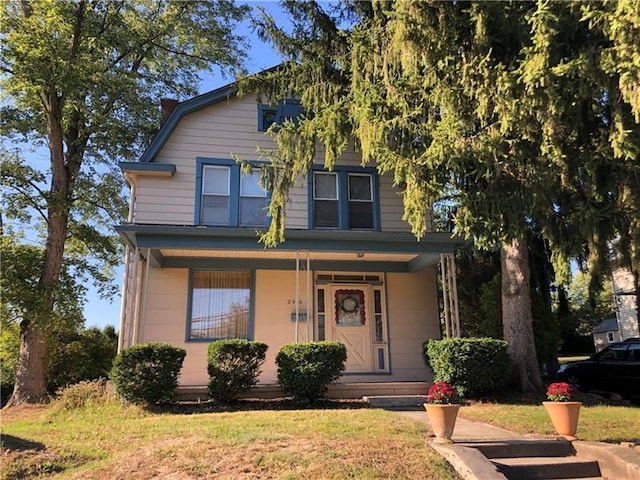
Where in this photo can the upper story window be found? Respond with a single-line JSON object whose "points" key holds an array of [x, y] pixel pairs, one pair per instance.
{"points": [[226, 197], [344, 200], [288, 109]]}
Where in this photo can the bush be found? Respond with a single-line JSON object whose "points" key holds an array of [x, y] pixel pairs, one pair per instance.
{"points": [[83, 394], [147, 373], [474, 365], [306, 369], [233, 367], [79, 356]]}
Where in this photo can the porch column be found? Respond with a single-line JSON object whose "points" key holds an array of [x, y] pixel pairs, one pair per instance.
{"points": [[450, 295]]}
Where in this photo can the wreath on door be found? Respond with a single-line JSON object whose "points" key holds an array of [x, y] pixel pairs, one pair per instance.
{"points": [[350, 301]]}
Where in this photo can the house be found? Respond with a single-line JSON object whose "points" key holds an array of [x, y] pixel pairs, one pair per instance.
{"points": [[625, 288], [605, 333], [350, 269]]}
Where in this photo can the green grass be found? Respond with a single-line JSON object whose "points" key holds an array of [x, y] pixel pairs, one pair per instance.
{"points": [[115, 442], [601, 423]]}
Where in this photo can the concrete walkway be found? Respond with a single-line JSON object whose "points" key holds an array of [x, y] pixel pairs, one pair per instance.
{"points": [[472, 458], [466, 430]]}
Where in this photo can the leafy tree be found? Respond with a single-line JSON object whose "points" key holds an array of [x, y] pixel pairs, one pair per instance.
{"points": [[511, 111], [83, 79], [21, 265], [79, 356]]}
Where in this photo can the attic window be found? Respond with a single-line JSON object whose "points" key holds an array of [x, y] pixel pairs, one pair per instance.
{"points": [[288, 109]]}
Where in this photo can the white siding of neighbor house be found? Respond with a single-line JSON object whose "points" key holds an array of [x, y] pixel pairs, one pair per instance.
{"points": [[221, 131], [412, 319], [626, 308]]}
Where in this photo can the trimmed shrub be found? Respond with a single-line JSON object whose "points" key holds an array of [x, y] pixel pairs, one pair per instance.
{"points": [[83, 394], [305, 370], [147, 373], [233, 367], [474, 365]]}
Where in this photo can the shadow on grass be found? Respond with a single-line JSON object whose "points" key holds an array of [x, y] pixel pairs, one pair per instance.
{"points": [[9, 442], [243, 405]]}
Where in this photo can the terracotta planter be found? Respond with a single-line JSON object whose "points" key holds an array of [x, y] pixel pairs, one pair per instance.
{"points": [[443, 420], [564, 416]]}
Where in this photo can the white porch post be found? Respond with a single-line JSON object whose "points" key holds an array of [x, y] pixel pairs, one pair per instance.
{"points": [[450, 295]]}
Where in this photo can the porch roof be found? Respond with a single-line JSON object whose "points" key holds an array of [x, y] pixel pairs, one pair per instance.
{"points": [[238, 248]]}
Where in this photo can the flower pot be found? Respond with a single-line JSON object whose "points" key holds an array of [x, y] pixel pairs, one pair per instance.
{"points": [[442, 419], [564, 416]]}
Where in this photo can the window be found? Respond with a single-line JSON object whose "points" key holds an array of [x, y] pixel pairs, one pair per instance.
{"points": [[220, 303], [610, 337], [227, 197], [325, 196], [252, 200], [343, 200], [215, 196], [288, 109]]}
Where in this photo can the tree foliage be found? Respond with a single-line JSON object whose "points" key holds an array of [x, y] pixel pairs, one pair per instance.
{"points": [[521, 114], [83, 80]]}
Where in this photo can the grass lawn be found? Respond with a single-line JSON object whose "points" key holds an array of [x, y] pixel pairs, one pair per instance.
{"points": [[597, 422], [115, 442]]}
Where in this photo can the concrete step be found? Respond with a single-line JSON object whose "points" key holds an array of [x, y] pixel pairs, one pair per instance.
{"points": [[523, 448], [387, 401], [547, 468]]}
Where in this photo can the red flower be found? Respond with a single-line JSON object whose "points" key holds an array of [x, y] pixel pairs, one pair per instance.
{"points": [[442, 393], [560, 392]]}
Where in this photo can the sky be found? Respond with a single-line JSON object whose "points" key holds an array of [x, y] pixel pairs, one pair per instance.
{"points": [[101, 312]]}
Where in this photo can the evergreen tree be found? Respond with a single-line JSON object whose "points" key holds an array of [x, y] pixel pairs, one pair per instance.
{"points": [[508, 110]]}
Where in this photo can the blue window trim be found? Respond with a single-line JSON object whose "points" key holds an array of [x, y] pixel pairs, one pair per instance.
{"points": [[261, 111], [289, 108], [343, 195], [234, 190], [252, 305]]}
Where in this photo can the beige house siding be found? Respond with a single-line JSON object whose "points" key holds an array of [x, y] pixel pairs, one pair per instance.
{"points": [[219, 132], [413, 318], [164, 316]]}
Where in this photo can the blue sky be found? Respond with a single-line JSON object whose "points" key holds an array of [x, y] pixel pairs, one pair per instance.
{"points": [[100, 312]]}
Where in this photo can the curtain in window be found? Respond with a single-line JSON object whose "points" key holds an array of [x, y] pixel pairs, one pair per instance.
{"points": [[220, 305]]}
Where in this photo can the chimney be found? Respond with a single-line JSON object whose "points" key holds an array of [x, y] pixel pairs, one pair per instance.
{"points": [[167, 105]]}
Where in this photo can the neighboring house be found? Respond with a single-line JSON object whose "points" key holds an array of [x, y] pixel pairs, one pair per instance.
{"points": [[605, 333], [350, 269], [626, 300]]}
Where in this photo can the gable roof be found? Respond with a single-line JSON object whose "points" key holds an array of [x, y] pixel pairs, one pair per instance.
{"points": [[607, 325], [189, 106], [183, 108]]}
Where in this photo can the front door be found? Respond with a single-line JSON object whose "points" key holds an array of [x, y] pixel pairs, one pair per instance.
{"points": [[349, 312]]}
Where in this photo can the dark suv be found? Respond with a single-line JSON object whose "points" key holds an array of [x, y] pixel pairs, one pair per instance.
{"points": [[616, 368]]}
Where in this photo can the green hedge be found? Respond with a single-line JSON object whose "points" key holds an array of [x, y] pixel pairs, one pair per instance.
{"points": [[305, 370], [233, 366], [147, 373], [474, 365]]}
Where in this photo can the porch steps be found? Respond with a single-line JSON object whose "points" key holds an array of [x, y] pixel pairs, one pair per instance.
{"points": [[391, 401], [537, 459]]}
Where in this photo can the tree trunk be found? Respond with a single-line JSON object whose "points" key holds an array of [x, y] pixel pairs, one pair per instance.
{"points": [[31, 375], [31, 385], [516, 315]]}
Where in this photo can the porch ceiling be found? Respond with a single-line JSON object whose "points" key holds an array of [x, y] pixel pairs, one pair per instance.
{"points": [[289, 255], [171, 246]]}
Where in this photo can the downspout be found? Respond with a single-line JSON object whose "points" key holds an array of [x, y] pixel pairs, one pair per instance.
{"points": [[297, 295], [131, 180], [309, 293]]}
